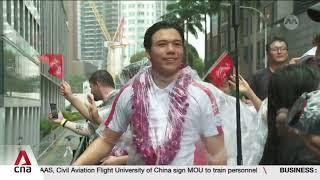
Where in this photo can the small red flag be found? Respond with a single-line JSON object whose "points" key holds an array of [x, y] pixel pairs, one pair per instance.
{"points": [[56, 65], [44, 58], [220, 70]]}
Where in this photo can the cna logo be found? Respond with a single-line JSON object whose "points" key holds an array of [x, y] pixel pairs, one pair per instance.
{"points": [[23, 167]]}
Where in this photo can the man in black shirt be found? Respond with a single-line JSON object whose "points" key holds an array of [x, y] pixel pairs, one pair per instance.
{"points": [[277, 52]]}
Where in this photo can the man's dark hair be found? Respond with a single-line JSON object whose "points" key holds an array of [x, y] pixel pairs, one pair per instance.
{"points": [[274, 39], [157, 26], [103, 77]]}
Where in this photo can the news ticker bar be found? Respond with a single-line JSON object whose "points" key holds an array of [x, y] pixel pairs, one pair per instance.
{"points": [[170, 172]]}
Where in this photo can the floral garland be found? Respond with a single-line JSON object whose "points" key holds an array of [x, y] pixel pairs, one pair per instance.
{"points": [[166, 152]]}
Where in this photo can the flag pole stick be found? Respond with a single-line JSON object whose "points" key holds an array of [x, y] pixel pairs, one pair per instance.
{"points": [[236, 23]]}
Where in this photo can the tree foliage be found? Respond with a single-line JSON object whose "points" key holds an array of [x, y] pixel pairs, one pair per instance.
{"points": [[137, 57], [183, 12], [191, 13], [198, 65], [194, 60], [75, 81]]}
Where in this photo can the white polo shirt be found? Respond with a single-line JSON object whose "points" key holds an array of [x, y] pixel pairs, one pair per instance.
{"points": [[200, 119]]}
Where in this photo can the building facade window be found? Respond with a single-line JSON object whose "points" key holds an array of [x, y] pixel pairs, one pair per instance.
{"points": [[26, 24], [21, 18], [31, 28], [244, 26], [223, 40], [140, 21], [35, 34], [22, 76], [15, 15], [269, 13], [38, 37], [9, 3]]}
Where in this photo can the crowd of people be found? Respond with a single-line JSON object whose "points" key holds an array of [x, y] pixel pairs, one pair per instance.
{"points": [[164, 114]]}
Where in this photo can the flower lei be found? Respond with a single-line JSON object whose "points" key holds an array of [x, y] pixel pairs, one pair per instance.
{"points": [[165, 152]]}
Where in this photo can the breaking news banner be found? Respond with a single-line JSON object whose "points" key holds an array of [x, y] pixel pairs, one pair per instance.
{"points": [[18, 162]]}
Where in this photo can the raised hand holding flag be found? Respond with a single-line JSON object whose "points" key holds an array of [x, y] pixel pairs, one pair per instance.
{"points": [[220, 70]]}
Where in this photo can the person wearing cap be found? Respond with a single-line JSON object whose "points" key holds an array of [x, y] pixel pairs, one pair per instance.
{"points": [[277, 53]]}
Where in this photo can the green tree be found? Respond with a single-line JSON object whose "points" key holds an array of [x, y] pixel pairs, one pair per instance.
{"points": [[186, 15], [192, 54], [75, 82], [137, 57], [198, 65], [191, 14], [195, 61]]}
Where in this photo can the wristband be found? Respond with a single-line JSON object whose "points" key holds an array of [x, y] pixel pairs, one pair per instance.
{"points": [[63, 122]]}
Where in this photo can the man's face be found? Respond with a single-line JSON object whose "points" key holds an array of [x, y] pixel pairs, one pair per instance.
{"points": [[166, 51], [95, 92], [278, 52]]}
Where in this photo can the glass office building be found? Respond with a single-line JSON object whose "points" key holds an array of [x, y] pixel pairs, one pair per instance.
{"points": [[28, 29]]}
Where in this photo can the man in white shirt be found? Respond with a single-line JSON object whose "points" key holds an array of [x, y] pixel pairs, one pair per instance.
{"points": [[167, 108]]}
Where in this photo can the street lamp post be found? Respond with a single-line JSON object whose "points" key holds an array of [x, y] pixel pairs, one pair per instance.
{"points": [[264, 22]]}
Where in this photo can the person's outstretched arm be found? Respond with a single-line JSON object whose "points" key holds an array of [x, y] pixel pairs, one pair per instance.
{"points": [[99, 148], [115, 160], [79, 128], [65, 90]]}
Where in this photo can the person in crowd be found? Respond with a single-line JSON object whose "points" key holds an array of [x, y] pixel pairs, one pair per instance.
{"points": [[167, 109], [310, 56], [102, 88], [252, 148], [277, 53], [285, 145]]}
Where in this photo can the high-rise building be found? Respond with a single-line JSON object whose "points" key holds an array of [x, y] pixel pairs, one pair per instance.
{"points": [[112, 14], [139, 15], [29, 29], [91, 44]]}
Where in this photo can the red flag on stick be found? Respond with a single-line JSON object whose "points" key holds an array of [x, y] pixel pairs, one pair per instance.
{"points": [[45, 58], [220, 70], [56, 65]]}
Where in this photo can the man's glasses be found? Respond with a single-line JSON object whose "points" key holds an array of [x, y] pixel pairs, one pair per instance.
{"points": [[275, 50]]}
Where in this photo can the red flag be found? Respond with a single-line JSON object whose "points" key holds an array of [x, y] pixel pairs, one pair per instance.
{"points": [[56, 65], [45, 58], [220, 70]]}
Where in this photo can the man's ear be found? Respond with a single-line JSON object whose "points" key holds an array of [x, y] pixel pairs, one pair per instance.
{"points": [[147, 53], [98, 84]]}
